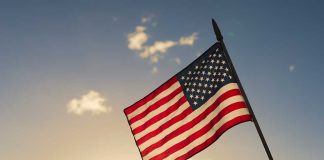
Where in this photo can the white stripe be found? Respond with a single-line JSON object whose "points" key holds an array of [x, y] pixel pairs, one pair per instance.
{"points": [[159, 123], [192, 130], [155, 99], [193, 115], [209, 134], [157, 111], [196, 113]]}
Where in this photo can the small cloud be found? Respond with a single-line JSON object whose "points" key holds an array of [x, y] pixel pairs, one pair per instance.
{"points": [[137, 39], [91, 102], [147, 19], [189, 40], [157, 50], [177, 60], [137, 42], [155, 70], [291, 68]]}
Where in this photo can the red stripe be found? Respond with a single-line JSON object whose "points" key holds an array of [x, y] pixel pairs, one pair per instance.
{"points": [[218, 133], [160, 116], [166, 125], [192, 123], [201, 132], [182, 116], [152, 95], [155, 106]]}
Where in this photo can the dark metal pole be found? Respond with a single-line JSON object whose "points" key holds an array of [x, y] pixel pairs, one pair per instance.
{"points": [[219, 37]]}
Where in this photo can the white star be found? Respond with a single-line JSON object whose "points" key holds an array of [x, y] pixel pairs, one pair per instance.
{"points": [[202, 98], [203, 61], [203, 73], [210, 67], [211, 86], [230, 76], [201, 78], [196, 97], [204, 91], [205, 85], [217, 61], [226, 69], [188, 89], [186, 84], [216, 67], [198, 72], [198, 90], [209, 73], [192, 90], [195, 103], [199, 84], [223, 62], [189, 83], [189, 72], [214, 74], [212, 61], [182, 77], [205, 66], [191, 96], [188, 78], [196, 67], [224, 74], [213, 80], [217, 49], [207, 79], [214, 55], [221, 67], [217, 80], [219, 55], [209, 92], [196, 78], [222, 80], [194, 84]]}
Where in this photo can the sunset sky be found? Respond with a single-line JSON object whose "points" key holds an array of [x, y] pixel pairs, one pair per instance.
{"points": [[69, 68]]}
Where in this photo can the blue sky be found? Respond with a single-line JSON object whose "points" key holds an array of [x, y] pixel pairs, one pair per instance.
{"points": [[52, 52]]}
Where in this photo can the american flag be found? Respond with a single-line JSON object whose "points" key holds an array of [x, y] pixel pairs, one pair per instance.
{"points": [[190, 111]]}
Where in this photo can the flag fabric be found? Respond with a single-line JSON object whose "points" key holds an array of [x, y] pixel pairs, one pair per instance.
{"points": [[190, 111]]}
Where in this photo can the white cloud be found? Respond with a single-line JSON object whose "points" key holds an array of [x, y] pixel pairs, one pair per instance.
{"points": [[147, 19], [137, 42], [137, 39], [91, 102], [291, 68], [157, 50], [189, 40]]}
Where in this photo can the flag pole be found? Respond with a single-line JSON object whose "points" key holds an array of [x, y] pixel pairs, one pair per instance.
{"points": [[219, 37]]}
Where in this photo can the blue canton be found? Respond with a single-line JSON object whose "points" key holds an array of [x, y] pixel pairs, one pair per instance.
{"points": [[205, 76]]}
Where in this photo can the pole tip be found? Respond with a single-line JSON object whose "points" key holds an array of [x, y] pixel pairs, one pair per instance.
{"points": [[218, 34]]}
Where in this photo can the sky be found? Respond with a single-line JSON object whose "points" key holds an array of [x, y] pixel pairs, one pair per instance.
{"points": [[69, 68]]}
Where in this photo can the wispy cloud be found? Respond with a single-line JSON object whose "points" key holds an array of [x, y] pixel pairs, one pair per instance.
{"points": [[291, 68], [91, 102], [137, 39], [189, 40], [157, 50], [137, 42]]}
